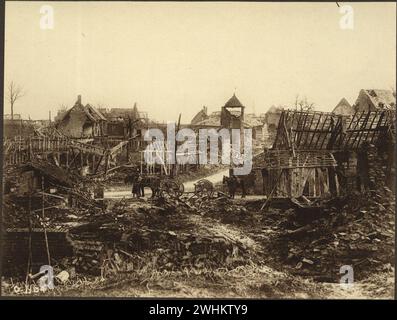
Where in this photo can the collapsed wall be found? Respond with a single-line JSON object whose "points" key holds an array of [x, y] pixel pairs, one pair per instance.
{"points": [[356, 229]]}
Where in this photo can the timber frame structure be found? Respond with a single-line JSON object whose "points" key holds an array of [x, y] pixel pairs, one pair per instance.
{"points": [[305, 157], [72, 154]]}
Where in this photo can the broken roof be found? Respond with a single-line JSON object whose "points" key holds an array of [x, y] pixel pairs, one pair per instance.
{"points": [[56, 174], [213, 120], [92, 113], [381, 98], [252, 120], [201, 114]]}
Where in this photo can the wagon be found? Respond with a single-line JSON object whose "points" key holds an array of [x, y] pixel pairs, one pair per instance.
{"points": [[171, 188], [204, 187], [203, 191]]}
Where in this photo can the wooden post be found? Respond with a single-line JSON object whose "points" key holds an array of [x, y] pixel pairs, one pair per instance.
{"points": [[175, 168], [43, 216], [106, 163], [29, 264]]}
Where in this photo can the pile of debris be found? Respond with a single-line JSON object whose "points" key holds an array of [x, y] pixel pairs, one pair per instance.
{"points": [[357, 231], [360, 233], [228, 211], [130, 236]]}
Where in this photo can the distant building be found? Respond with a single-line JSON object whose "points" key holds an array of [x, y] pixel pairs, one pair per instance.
{"points": [[127, 123], [343, 108], [82, 121], [59, 115], [271, 119], [123, 113], [256, 123], [231, 116], [200, 116], [213, 120], [375, 99]]}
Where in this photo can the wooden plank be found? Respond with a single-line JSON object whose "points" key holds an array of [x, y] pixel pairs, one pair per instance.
{"points": [[331, 125], [98, 164], [363, 126], [320, 131], [371, 125], [312, 137], [297, 129], [377, 126], [356, 124]]}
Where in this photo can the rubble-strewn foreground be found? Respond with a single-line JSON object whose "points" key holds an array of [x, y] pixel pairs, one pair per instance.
{"points": [[223, 247]]}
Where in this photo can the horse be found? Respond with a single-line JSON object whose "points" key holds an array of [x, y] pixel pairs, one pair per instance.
{"points": [[244, 182], [139, 182]]}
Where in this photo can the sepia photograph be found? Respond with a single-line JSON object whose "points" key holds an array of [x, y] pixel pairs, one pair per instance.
{"points": [[186, 150]]}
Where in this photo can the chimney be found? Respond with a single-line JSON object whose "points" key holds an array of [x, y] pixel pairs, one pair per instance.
{"points": [[79, 99], [205, 109]]}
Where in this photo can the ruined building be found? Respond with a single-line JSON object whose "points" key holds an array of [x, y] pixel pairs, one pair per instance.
{"points": [[375, 99], [318, 154], [82, 121]]}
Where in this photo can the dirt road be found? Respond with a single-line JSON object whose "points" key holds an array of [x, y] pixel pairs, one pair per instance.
{"points": [[189, 186], [214, 178]]}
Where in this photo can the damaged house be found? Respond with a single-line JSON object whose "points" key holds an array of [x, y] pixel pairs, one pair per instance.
{"points": [[271, 119], [375, 99], [200, 116], [82, 121], [300, 161], [126, 124], [318, 154]]}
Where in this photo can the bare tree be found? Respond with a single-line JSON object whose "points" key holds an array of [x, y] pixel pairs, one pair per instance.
{"points": [[15, 92], [302, 104]]}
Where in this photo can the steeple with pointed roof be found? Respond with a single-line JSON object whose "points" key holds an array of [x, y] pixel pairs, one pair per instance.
{"points": [[232, 119], [234, 102]]}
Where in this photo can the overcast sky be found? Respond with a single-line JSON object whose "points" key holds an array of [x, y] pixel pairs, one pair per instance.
{"points": [[174, 58]]}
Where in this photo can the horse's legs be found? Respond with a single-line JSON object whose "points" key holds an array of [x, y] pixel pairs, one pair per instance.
{"points": [[233, 192], [142, 189], [243, 193]]}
